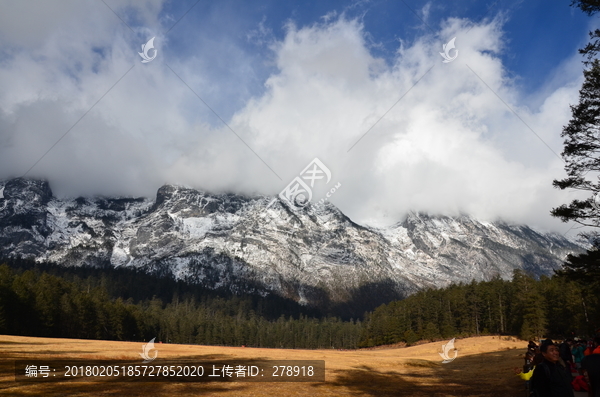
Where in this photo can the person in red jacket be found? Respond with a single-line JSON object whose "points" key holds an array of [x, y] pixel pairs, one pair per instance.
{"points": [[589, 349], [597, 345]]}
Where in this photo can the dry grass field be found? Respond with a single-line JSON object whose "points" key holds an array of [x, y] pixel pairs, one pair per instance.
{"points": [[484, 367]]}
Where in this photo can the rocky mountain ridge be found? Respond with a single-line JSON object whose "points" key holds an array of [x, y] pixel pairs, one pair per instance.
{"points": [[316, 255]]}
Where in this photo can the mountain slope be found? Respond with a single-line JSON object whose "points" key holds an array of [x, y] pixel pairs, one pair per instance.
{"points": [[316, 255]]}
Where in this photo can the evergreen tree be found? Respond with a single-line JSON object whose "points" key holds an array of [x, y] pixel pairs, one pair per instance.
{"points": [[584, 268], [589, 7], [431, 332], [410, 337], [582, 161], [582, 152], [534, 317]]}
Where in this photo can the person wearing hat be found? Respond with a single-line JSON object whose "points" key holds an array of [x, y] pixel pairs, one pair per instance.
{"points": [[551, 378]]}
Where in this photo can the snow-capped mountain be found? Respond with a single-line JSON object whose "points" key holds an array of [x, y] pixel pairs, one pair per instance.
{"points": [[313, 255]]}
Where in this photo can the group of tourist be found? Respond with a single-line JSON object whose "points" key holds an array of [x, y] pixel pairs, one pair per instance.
{"points": [[553, 370]]}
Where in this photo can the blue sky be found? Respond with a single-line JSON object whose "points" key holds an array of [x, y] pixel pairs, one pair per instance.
{"points": [[539, 34], [243, 95]]}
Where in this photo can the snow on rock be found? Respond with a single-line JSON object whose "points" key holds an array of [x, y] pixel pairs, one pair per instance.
{"points": [[236, 242]]}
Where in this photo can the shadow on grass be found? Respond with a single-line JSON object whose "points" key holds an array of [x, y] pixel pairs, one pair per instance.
{"points": [[487, 374], [140, 386], [121, 389]]}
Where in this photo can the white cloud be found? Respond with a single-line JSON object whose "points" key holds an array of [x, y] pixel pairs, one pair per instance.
{"points": [[449, 146]]}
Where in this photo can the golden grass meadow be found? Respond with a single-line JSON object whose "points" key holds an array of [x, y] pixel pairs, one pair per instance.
{"points": [[484, 367]]}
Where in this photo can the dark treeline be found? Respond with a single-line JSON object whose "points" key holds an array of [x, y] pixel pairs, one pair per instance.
{"points": [[553, 307], [138, 285], [34, 302], [38, 300]]}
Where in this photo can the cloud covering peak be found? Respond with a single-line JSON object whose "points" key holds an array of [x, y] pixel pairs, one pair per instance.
{"points": [[404, 133]]}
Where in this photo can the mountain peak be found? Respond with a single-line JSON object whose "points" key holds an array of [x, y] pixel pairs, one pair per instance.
{"points": [[315, 255], [32, 190]]}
